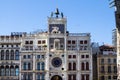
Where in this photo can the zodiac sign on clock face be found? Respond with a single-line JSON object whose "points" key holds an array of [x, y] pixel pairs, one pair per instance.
{"points": [[55, 30]]}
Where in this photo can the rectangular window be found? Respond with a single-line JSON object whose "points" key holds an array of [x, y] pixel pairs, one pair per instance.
{"points": [[115, 69], [81, 47], [81, 42], [31, 42], [114, 61], [39, 42], [74, 56], [85, 47], [38, 56], [82, 56], [69, 56], [69, 42], [43, 56], [109, 77], [102, 78], [24, 56], [85, 42], [109, 61], [109, 69], [102, 61], [26, 42], [114, 77], [73, 42], [43, 42], [87, 56], [102, 69], [29, 56]]}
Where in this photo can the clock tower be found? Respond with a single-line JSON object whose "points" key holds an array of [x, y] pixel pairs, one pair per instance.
{"points": [[57, 46]]}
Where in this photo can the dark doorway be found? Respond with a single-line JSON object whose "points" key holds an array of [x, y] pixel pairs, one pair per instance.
{"points": [[56, 77]]}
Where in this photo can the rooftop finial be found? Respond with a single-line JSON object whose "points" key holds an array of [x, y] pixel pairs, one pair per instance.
{"points": [[57, 12], [62, 15]]}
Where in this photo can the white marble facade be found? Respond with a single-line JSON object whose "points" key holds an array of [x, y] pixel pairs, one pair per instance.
{"points": [[55, 54]]}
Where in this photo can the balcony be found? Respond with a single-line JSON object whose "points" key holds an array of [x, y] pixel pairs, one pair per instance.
{"points": [[27, 49], [34, 49], [79, 34]]}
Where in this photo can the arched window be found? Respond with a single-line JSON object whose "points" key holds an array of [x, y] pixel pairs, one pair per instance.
{"points": [[69, 77], [82, 77], [2, 71], [43, 77], [7, 71], [82, 66], [69, 66], [87, 77], [12, 55], [38, 66], [16, 70], [29, 76], [29, 68], [56, 44], [43, 65], [74, 66], [17, 55], [24, 77], [2, 55], [11, 71], [7, 54], [74, 76], [38, 76], [87, 66], [24, 66]]}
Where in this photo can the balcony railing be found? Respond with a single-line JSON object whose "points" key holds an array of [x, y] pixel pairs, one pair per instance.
{"points": [[10, 40], [33, 49]]}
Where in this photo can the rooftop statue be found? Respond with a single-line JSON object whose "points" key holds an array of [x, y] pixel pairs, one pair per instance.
{"points": [[57, 13]]}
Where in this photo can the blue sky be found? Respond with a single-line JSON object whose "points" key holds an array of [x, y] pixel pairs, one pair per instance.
{"points": [[93, 16]]}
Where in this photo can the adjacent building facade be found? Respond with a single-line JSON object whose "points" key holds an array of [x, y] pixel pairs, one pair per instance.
{"points": [[9, 57], [54, 54], [107, 63]]}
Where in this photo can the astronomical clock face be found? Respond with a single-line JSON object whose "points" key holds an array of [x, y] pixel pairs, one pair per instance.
{"points": [[56, 28], [56, 62]]}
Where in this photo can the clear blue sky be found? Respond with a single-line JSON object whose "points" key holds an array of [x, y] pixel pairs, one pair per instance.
{"points": [[93, 16]]}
